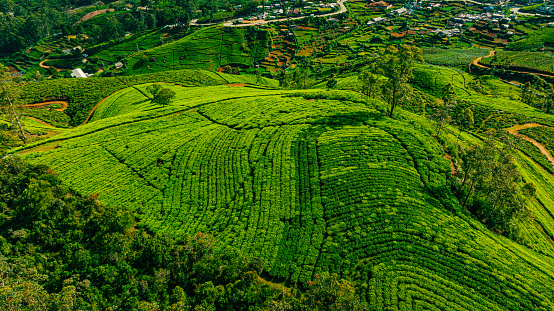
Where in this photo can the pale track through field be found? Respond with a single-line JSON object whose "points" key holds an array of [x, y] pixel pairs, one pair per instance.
{"points": [[94, 108], [40, 121], [64, 104], [476, 61], [515, 129]]}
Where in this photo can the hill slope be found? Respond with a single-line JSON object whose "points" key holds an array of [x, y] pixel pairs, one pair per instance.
{"points": [[310, 186], [208, 49]]}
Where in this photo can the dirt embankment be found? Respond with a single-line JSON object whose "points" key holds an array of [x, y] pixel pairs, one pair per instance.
{"points": [[516, 128], [93, 14], [64, 104]]}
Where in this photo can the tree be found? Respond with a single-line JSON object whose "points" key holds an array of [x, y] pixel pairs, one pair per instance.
{"points": [[160, 95], [527, 95], [329, 292], [370, 83], [38, 76], [442, 114], [465, 120], [397, 66], [302, 74], [487, 184], [548, 101], [284, 79], [331, 83], [8, 93]]}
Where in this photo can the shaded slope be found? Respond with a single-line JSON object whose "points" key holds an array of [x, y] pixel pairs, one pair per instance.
{"points": [[208, 49]]}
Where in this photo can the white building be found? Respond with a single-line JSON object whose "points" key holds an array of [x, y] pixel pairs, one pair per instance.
{"points": [[78, 73]]}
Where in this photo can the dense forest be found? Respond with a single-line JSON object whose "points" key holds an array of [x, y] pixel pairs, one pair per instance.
{"points": [[23, 24]]}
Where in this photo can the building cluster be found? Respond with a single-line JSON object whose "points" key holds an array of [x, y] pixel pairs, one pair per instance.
{"points": [[287, 8], [496, 19]]}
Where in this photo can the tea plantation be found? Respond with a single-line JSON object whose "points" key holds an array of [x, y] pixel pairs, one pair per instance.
{"points": [[207, 49], [310, 181]]}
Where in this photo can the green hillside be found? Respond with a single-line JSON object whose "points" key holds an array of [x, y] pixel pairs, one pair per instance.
{"points": [[84, 94], [209, 49], [310, 181]]}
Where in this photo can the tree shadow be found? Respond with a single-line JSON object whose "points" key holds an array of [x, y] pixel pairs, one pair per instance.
{"points": [[356, 118]]}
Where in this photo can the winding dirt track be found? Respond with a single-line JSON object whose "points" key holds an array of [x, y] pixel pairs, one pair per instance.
{"points": [[478, 59], [64, 104], [514, 131]]}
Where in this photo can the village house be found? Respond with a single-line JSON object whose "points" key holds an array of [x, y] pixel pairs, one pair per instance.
{"points": [[398, 12], [379, 6], [376, 20], [78, 73]]}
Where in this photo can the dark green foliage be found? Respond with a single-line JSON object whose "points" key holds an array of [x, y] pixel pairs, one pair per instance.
{"points": [[160, 95], [487, 184], [61, 250], [97, 253]]}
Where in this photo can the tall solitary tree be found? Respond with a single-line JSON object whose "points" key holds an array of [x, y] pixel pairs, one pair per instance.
{"points": [[8, 94], [160, 95], [397, 65]]}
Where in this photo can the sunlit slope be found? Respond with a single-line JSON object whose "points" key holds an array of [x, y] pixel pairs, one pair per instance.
{"points": [[309, 186]]}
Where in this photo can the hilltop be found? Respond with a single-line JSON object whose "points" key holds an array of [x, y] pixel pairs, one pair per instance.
{"points": [[310, 181]]}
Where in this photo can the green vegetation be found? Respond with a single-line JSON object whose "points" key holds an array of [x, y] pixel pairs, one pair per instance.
{"points": [[61, 250], [534, 61], [309, 186], [543, 135], [534, 41], [84, 94], [451, 57], [219, 16], [369, 175], [209, 48]]}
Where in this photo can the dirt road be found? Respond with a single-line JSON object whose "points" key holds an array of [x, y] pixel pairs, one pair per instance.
{"points": [[516, 128], [492, 53], [478, 59], [41, 64]]}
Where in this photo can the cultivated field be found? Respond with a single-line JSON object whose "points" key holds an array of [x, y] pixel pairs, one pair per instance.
{"points": [[309, 185]]}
